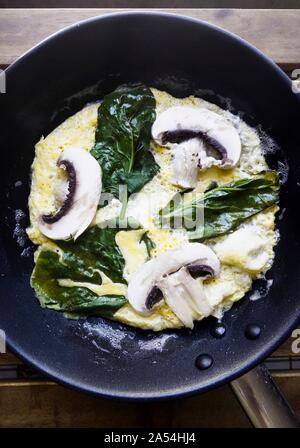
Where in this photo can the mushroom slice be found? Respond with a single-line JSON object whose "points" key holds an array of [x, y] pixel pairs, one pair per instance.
{"points": [[178, 125], [185, 296], [80, 201], [155, 278], [185, 164]]}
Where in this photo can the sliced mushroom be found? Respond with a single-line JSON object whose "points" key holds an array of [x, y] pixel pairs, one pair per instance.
{"points": [[198, 137], [81, 199], [185, 296], [185, 164], [170, 275]]}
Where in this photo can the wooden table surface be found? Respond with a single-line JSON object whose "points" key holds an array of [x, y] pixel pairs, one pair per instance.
{"points": [[28, 400]]}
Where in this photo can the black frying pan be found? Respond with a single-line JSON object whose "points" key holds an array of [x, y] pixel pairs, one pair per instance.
{"points": [[56, 79]]}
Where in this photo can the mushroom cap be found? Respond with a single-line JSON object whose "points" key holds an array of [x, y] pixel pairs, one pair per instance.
{"points": [[83, 196], [188, 121], [149, 275]]}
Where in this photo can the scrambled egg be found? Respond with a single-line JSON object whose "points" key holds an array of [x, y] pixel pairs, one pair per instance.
{"points": [[245, 254]]}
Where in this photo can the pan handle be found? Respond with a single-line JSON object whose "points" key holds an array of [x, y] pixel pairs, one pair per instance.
{"points": [[262, 400]]}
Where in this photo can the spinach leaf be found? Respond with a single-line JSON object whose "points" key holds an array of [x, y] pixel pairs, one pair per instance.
{"points": [[122, 139], [95, 250], [148, 243], [224, 207], [71, 300]]}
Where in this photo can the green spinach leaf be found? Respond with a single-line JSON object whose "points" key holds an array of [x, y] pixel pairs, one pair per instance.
{"points": [[224, 208], [122, 139], [96, 250], [148, 243]]}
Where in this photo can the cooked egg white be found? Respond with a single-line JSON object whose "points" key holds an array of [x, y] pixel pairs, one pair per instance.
{"points": [[245, 254]]}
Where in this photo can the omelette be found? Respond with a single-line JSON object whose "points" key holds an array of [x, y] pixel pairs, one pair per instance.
{"points": [[163, 277]]}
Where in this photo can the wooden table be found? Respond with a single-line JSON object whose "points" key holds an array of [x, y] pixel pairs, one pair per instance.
{"points": [[27, 399]]}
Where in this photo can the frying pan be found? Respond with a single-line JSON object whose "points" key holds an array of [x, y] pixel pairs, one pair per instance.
{"points": [[57, 78]]}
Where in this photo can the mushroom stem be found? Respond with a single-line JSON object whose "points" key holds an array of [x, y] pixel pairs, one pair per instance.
{"points": [[185, 164], [185, 296]]}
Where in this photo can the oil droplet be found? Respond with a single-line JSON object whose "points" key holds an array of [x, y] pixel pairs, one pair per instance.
{"points": [[252, 331], [218, 331], [204, 361]]}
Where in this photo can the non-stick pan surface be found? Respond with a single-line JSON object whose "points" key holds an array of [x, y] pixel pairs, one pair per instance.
{"points": [[56, 79]]}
